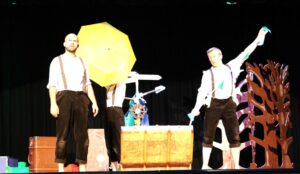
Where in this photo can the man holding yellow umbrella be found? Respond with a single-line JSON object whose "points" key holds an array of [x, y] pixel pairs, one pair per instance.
{"points": [[110, 59]]}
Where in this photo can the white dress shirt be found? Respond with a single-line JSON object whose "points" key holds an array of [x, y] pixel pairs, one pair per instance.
{"points": [[115, 95], [73, 71], [223, 82]]}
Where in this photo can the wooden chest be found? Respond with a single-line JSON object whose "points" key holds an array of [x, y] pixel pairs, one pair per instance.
{"points": [[97, 159], [156, 147], [42, 154]]}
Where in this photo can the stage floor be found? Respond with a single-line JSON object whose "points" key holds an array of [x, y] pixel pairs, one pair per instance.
{"points": [[242, 171]]}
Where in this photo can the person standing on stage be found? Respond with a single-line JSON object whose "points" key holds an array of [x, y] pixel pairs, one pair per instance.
{"points": [[71, 93], [113, 121], [217, 92]]}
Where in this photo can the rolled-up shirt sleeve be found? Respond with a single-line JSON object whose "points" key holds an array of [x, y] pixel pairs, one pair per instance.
{"points": [[203, 90], [53, 74]]}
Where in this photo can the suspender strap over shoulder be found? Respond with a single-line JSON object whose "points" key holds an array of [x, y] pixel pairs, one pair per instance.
{"points": [[62, 72], [64, 77], [213, 81], [84, 77], [231, 78], [112, 87]]}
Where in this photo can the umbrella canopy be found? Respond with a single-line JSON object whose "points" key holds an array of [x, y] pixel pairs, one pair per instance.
{"points": [[107, 51]]}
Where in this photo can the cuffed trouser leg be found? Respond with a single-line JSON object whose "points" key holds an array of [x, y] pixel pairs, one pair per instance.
{"points": [[114, 119], [224, 109], [211, 120], [81, 112], [62, 126], [73, 108], [231, 124]]}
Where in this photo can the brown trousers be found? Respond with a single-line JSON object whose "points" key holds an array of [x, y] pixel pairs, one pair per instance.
{"points": [[224, 109], [73, 116], [113, 121]]}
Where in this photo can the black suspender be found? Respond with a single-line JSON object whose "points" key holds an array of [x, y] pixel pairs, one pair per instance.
{"points": [[231, 78], [84, 77], [213, 81], [114, 87], [64, 77], [62, 72]]}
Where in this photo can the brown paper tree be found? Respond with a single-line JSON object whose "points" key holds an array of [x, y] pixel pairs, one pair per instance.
{"points": [[264, 109], [269, 100]]}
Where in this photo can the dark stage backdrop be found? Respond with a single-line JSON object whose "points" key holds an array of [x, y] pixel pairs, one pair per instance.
{"points": [[169, 38]]}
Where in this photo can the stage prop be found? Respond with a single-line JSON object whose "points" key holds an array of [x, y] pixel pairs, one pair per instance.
{"points": [[97, 153], [263, 112], [107, 51], [42, 154], [20, 168], [269, 100], [6, 161], [137, 113], [156, 147]]}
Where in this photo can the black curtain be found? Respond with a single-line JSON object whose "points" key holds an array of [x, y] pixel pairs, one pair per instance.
{"points": [[168, 38]]}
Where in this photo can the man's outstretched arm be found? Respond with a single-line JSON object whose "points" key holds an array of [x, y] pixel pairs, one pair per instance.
{"points": [[258, 41]]}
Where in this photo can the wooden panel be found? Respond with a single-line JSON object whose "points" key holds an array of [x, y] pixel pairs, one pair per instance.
{"points": [[132, 146], [181, 142], [97, 159], [156, 147]]}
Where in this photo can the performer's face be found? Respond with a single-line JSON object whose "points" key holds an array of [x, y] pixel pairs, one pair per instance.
{"points": [[215, 58], [71, 43]]}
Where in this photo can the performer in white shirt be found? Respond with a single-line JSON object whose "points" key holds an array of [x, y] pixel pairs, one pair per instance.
{"points": [[217, 92], [71, 92], [113, 120]]}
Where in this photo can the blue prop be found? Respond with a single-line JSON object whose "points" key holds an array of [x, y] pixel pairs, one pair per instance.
{"points": [[137, 114]]}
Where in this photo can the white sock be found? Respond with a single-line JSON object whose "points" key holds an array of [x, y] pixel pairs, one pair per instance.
{"points": [[235, 152], [82, 167], [206, 155], [60, 167]]}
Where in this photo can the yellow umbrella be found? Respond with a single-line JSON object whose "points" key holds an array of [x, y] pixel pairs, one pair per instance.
{"points": [[107, 51]]}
